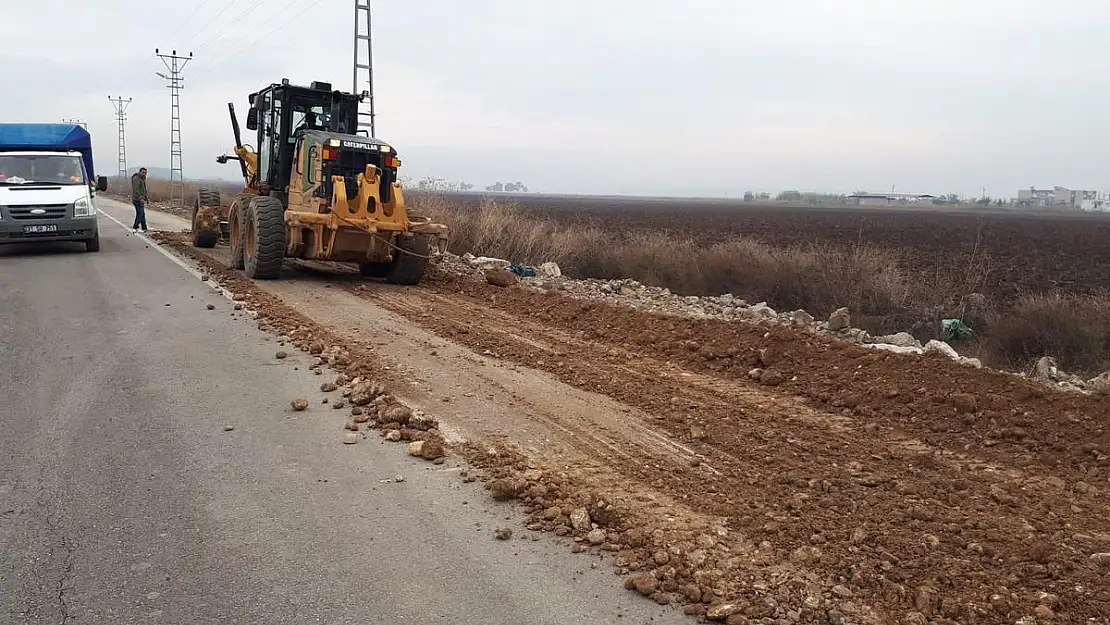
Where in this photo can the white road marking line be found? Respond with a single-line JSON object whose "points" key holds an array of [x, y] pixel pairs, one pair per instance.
{"points": [[194, 271]]}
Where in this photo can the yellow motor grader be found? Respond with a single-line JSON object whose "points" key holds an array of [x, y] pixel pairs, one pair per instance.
{"points": [[315, 190]]}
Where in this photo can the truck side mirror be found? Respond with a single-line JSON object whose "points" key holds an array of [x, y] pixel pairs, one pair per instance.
{"points": [[101, 183], [252, 119]]}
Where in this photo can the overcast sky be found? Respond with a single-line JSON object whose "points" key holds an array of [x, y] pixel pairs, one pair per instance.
{"points": [[694, 97]]}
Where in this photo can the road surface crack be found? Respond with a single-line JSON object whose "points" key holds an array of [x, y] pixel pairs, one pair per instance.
{"points": [[65, 583], [50, 518]]}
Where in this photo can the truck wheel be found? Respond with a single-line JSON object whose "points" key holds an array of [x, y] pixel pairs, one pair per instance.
{"points": [[374, 270], [264, 238], [410, 261], [235, 228], [206, 219], [93, 244]]}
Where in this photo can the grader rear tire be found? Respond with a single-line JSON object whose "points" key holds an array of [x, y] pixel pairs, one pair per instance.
{"points": [[264, 238], [374, 270], [206, 225], [236, 239], [411, 260]]}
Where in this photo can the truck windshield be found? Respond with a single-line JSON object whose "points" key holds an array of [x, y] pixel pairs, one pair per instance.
{"points": [[53, 169]]}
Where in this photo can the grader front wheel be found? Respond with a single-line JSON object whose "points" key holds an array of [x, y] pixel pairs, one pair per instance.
{"points": [[264, 238], [235, 229], [206, 220]]}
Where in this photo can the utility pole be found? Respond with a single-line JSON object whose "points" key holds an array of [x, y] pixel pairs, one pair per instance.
{"points": [[120, 106], [80, 122], [363, 69], [174, 64]]}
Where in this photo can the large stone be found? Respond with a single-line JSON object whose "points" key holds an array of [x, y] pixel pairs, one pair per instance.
{"points": [[940, 347], [1046, 370], [505, 489], [1100, 385], [801, 318], [580, 519], [486, 263], [901, 339], [763, 311], [549, 270], [501, 278], [721, 611], [839, 320], [420, 421], [432, 450]]}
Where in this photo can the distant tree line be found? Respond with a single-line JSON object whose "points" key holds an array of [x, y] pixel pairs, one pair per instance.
{"points": [[508, 187], [435, 184], [824, 199], [809, 197]]}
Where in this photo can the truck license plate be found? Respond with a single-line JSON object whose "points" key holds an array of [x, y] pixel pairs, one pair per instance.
{"points": [[36, 229]]}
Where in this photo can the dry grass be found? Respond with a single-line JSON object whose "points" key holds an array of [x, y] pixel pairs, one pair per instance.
{"points": [[817, 278], [158, 189], [1074, 329]]}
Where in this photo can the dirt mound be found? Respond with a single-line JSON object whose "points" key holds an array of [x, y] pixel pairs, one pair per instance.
{"points": [[916, 484], [859, 487]]}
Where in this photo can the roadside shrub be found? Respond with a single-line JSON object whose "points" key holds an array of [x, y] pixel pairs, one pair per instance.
{"points": [[1073, 329], [158, 189], [816, 278]]}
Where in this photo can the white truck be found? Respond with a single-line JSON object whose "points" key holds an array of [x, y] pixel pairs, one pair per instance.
{"points": [[47, 185]]}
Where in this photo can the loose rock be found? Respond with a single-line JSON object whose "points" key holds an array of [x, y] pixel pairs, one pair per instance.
{"points": [[432, 450], [580, 520], [501, 278], [839, 320]]}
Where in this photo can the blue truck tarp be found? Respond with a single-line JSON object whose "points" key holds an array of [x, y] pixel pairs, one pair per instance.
{"points": [[30, 137]]}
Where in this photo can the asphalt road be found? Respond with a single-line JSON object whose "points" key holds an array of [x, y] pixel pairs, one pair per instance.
{"points": [[124, 500]]}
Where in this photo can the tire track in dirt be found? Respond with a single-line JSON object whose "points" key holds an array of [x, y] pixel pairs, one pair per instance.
{"points": [[837, 493], [945, 493]]}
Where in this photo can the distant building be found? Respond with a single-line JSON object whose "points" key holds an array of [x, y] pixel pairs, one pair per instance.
{"points": [[1061, 197], [886, 199], [1036, 197]]}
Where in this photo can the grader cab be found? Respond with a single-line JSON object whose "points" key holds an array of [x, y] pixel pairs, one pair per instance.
{"points": [[315, 190]]}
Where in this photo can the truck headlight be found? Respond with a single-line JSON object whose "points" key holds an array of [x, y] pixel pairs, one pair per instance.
{"points": [[83, 208]]}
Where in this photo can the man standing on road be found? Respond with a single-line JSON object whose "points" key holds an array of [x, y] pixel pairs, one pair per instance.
{"points": [[139, 198]]}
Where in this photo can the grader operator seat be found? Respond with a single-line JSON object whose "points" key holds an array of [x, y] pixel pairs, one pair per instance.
{"points": [[282, 112]]}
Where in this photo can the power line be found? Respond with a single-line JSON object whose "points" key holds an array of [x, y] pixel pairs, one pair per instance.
{"points": [[120, 106], [209, 22], [186, 20], [174, 64], [237, 52], [228, 25]]}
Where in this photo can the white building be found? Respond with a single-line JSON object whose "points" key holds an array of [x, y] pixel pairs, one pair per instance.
{"points": [[1061, 197], [886, 199]]}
